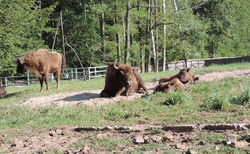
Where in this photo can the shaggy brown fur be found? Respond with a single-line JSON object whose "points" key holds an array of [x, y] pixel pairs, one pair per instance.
{"points": [[41, 63], [185, 76], [174, 85], [121, 79]]}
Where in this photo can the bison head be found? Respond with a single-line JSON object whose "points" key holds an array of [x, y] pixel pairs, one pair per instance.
{"points": [[21, 66], [125, 74], [186, 76]]}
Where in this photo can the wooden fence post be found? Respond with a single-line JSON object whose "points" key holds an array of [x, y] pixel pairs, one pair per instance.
{"points": [[72, 73], [5, 82], [28, 78], [89, 73], [95, 72], [76, 73]]}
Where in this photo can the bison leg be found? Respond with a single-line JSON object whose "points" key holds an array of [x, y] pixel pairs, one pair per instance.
{"points": [[57, 77], [41, 83], [123, 91], [104, 93], [47, 80]]}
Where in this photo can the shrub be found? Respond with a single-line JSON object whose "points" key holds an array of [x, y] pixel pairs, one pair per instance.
{"points": [[241, 99], [175, 97], [213, 102]]}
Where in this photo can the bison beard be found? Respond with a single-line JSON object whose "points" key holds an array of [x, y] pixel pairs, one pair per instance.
{"points": [[41, 63], [121, 79]]}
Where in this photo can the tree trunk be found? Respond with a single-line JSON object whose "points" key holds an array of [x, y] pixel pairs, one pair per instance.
{"points": [[118, 37], [102, 28], [164, 37], [156, 37], [64, 54], [127, 44], [147, 52], [140, 40]]}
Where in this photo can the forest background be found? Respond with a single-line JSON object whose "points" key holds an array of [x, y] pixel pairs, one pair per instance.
{"points": [[146, 32]]}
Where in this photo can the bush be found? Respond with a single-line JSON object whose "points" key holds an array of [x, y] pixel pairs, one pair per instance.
{"points": [[213, 102], [175, 97], [241, 99]]}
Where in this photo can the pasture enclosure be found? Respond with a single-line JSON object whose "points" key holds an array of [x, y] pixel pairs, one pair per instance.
{"points": [[87, 73], [84, 73]]}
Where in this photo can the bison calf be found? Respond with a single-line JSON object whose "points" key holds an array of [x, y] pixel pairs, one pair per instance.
{"points": [[185, 76], [174, 85]]}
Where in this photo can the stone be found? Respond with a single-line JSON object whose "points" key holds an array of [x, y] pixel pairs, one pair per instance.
{"points": [[138, 140], [232, 138], [180, 146], [105, 135], [241, 144], [146, 139], [168, 138], [59, 132], [156, 139], [217, 148], [87, 150]]}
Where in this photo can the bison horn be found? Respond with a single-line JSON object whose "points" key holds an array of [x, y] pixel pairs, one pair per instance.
{"points": [[115, 65]]}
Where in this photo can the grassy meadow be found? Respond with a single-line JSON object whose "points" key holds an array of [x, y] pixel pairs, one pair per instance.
{"points": [[225, 100], [222, 101]]}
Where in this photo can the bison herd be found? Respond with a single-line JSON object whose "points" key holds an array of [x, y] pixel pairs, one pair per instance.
{"points": [[120, 79]]}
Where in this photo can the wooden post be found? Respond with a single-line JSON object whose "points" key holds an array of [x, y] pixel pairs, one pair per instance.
{"points": [[72, 73], [95, 72], [76, 73], [28, 78], [5, 81], [89, 72]]}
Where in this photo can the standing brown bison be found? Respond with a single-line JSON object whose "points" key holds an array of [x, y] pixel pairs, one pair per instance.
{"points": [[185, 76], [174, 84], [121, 79], [2, 90], [41, 63]]}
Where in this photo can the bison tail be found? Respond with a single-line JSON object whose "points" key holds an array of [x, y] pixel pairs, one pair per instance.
{"points": [[63, 63]]}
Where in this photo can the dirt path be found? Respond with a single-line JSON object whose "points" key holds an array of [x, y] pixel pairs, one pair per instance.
{"points": [[92, 97]]}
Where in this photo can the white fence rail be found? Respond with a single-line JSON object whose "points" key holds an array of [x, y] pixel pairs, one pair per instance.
{"points": [[84, 73]]}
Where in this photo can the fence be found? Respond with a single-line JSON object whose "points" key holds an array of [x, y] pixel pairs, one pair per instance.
{"points": [[84, 73], [198, 63]]}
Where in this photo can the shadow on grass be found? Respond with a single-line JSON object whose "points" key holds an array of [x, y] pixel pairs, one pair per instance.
{"points": [[15, 94], [81, 97]]}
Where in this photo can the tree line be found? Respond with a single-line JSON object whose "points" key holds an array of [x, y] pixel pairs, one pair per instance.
{"points": [[137, 32]]}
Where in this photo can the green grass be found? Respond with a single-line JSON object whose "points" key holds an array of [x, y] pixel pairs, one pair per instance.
{"points": [[221, 101]]}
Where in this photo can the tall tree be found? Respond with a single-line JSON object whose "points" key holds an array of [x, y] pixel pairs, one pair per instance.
{"points": [[127, 43]]}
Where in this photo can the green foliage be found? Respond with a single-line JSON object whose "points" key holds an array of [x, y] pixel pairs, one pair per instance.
{"points": [[213, 102], [241, 99], [175, 98]]}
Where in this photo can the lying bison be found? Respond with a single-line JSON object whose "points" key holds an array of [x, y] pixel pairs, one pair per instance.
{"points": [[41, 63], [121, 79], [174, 84], [185, 76], [2, 90]]}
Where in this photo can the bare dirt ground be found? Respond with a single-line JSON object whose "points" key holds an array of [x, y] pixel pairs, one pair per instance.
{"points": [[63, 140], [92, 97]]}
